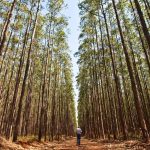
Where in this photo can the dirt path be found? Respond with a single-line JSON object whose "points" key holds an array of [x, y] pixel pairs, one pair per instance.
{"points": [[87, 145], [70, 144], [66, 145]]}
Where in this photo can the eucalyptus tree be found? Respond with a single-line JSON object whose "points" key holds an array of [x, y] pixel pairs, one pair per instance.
{"points": [[115, 47], [6, 25], [36, 78]]}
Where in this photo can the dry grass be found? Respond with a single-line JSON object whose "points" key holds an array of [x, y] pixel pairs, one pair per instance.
{"points": [[7, 145]]}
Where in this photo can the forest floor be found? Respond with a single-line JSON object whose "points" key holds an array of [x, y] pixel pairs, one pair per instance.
{"points": [[70, 144]]}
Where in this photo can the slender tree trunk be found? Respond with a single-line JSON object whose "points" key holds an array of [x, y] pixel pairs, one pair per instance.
{"points": [[18, 77], [17, 122], [143, 23], [134, 89], [141, 39], [5, 28]]}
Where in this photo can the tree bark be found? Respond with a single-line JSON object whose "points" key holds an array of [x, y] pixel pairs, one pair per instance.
{"points": [[143, 23], [134, 89], [5, 28]]}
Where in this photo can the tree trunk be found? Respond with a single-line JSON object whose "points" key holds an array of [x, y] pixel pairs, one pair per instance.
{"points": [[5, 28], [143, 23], [134, 89], [17, 122]]}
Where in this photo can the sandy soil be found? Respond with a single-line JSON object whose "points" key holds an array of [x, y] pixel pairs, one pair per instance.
{"points": [[70, 144]]}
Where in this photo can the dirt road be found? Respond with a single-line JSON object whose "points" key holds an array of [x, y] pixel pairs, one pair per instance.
{"points": [[87, 145], [70, 144]]}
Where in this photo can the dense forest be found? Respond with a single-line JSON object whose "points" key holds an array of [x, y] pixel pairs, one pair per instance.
{"points": [[36, 90], [114, 64], [37, 97]]}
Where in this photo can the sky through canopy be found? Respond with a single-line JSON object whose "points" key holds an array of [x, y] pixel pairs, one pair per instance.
{"points": [[72, 12]]}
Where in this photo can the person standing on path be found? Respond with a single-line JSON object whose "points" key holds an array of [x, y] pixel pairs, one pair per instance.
{"points": [[79, 132]]}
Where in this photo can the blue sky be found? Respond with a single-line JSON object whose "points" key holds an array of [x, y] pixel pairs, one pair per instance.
{"points": [[73, 13]]}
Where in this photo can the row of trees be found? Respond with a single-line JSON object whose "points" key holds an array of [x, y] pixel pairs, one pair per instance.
{"points": [[36, 92], [114, 61]]}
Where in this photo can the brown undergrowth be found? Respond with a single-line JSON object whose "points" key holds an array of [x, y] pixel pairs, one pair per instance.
{"points": [[70, 144]]}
